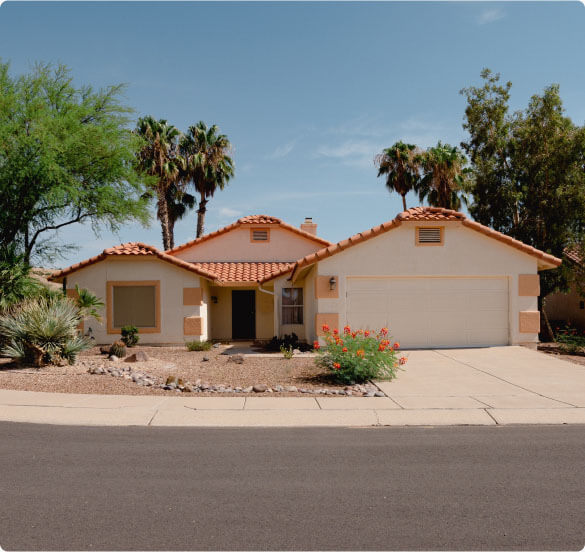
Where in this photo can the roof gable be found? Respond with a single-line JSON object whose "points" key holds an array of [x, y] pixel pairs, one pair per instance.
{"points": [[131, 249], [419, 214], [251, 220]]}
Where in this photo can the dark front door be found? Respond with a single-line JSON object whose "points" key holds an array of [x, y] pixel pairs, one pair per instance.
{"points": [[243, 314]]}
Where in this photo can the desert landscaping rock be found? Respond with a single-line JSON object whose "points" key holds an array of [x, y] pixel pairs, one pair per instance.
{"points": [[205, 359], [214, 377], [260, 388], [238, 359], [138, 356], [113, 358]]}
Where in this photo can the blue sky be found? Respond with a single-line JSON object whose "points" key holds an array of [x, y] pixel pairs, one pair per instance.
{"points": [[308, 93]]}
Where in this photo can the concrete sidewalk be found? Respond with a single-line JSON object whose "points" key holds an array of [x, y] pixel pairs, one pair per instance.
{"points": [[498, 385]]}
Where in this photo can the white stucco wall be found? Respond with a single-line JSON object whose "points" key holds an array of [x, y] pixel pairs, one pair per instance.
{"points": [[235, 245], [465, 253], [172, 281]]}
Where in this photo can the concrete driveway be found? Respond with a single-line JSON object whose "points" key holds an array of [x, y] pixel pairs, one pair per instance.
{"points": [[503, 378]]}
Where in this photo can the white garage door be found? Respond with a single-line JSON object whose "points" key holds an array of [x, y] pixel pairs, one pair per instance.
{"points": [[432, 312]]}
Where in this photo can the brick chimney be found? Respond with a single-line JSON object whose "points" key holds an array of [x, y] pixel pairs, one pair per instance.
{"points": [[309, 226]]}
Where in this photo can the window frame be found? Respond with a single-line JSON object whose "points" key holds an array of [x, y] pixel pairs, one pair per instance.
{"points": [[301, 306], [419, 244], [111, 284]]}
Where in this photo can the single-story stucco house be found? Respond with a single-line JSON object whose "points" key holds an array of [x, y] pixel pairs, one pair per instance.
{"points": [[431, 275]]}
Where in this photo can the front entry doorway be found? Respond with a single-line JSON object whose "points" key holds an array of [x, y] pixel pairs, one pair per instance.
{"points": [[243, 314]]}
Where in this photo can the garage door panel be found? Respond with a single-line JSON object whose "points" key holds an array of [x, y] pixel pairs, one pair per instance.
{"points": [[432, 312]]}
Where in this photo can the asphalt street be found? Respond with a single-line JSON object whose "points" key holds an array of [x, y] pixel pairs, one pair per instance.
{"points": [[146, 488]]}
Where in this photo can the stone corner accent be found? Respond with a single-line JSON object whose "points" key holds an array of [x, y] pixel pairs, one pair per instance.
{"points": [[322, 290], [193, 325], [192, 296], [528, 285], [529, 321], [331, 319]]}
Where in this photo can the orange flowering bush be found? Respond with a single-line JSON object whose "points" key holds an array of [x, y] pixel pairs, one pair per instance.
{"points": [[358, 356]]}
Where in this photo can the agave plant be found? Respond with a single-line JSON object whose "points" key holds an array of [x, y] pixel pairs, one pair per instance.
{"points": [[43, 331]]}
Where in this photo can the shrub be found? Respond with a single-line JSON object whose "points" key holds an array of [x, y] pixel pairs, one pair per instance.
{"points": [[287, 341], [199, 345], [43, 331], [569, 339], [287, 352], [118, 348], [16, 282], [358, 356], [130, 335], [89, 304]]}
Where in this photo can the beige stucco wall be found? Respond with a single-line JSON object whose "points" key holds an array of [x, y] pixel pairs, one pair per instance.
{"points": [[235, 245], [308, 285], [172, 282], [566, 307], [221, 313], [464, 253]]}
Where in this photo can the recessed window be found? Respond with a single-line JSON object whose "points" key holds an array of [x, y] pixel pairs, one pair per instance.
{"points": [[259, 235], [133, 303], [292, 305], [429, 235]]}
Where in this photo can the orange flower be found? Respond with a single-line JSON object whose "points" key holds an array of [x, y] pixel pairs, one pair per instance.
{"points": [[335, 331], [316, 345], [353, 334], [381, 347], [346, 329], [384, 331], [367, 333], [360, 353], [396, 346], [325, 327], [336, 365], [344, 350], [403, 360]]}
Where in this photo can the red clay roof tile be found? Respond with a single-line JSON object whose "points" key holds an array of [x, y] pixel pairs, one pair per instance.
{"points": [[133, 249], [226, 272], [431, 214], [251, 219]]}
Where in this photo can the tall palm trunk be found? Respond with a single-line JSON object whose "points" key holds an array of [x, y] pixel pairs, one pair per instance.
{"points": [[404, 202], [163, 215], [201, 216]]}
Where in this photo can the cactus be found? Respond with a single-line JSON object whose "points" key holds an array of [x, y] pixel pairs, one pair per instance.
{"points": [[118, 348]]}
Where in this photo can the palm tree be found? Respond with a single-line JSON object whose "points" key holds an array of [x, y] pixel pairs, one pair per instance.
{"points": [[401, 165], [445, 176], [179, 203], [159, 158], [208, 165]]}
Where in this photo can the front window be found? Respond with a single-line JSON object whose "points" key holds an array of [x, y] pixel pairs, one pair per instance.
{"points": [[133, 303], [292, 305]]}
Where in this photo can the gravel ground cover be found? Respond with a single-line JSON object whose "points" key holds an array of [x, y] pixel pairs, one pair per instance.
{"points": [[210, 368], [553, 349]]}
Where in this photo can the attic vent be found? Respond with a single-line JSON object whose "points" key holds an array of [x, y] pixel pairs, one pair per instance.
{"points": [[260, 235], [429, 236]]}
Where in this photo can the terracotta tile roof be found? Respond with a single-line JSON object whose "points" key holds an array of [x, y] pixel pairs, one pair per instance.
{"points": [[413, 215], [573, 254], [251, 219], [259, 219], [134, 249], [430, 214], [243, 271]]}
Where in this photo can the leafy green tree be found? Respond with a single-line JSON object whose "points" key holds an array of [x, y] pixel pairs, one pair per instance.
{"points": [[66, 156], [444, 178], [401, 163], [16, 283], [160, 159], [208, 165], [528, 170]]}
